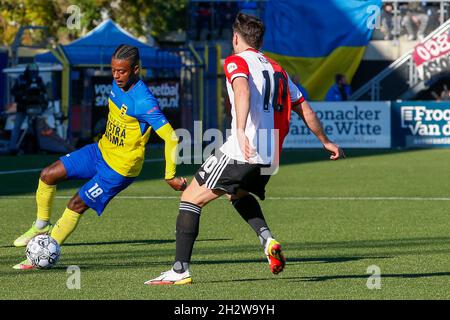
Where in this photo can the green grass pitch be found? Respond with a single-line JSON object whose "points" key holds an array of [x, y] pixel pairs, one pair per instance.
{"points": [[335, 219]]}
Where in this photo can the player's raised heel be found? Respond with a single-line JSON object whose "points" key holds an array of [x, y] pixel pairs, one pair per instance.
{"points": [[23, 240], [275, 256], [171, 278]]}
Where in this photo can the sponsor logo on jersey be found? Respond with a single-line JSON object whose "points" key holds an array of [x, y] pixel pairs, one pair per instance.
{"points": [[152, 110], [115, 132], [123, 110], [232, 67]]}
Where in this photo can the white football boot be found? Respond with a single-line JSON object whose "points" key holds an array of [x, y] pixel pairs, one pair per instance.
{"points": [[171, 277]]}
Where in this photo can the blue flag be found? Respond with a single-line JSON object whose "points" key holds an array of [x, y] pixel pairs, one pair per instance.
{"points": [[317, 39]]}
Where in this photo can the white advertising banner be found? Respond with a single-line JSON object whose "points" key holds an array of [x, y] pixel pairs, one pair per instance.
{"points": [[351, 124]]}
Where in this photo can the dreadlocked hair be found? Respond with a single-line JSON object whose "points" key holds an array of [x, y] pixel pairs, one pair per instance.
{"points": [[127, 52]]}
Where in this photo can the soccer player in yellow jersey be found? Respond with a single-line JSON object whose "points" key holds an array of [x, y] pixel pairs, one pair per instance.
{"points": [[114, 162]]}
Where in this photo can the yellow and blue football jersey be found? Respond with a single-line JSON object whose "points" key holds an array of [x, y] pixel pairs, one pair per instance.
{"points": [[131, 116]]}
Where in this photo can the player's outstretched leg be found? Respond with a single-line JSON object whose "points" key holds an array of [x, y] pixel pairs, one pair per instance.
{"points": [[45, 194], [187, 227], [194, 198], [250, 210], [63, 227]]}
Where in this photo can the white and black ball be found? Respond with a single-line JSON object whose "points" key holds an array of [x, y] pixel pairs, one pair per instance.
{"points": [[43, 251]]}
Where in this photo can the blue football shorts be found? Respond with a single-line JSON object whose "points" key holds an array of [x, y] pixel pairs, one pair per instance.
{"points": [[104, 183]]}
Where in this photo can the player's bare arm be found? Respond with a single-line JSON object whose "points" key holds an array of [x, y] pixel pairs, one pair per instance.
{"points": [[242, 102], [308, 115]]}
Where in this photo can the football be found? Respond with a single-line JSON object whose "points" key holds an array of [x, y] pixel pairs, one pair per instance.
{"points": [[43, 251]]}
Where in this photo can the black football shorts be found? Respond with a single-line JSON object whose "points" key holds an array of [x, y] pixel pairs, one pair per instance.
{"points": [[223, 173]]}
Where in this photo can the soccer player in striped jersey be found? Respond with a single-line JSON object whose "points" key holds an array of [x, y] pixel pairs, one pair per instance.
{"points": [[262, 97], [113, 163]]}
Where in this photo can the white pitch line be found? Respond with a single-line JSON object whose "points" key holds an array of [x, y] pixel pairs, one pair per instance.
{"points": [[364, 198], [39, 169], [20, 171], [269, 198], [118, 197]]}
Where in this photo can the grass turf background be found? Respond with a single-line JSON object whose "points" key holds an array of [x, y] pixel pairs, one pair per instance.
{"points": [[330, 237]]}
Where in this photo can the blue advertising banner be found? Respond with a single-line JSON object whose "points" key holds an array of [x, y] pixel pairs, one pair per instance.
{"points": [[420, 124]]}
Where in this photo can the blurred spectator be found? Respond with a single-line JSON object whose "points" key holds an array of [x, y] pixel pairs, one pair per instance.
{"points": [[416, 17], [444, 96], [296, 81], [390, 23], [340, 91], [203, 25], [29, 94], [226, 14]]}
